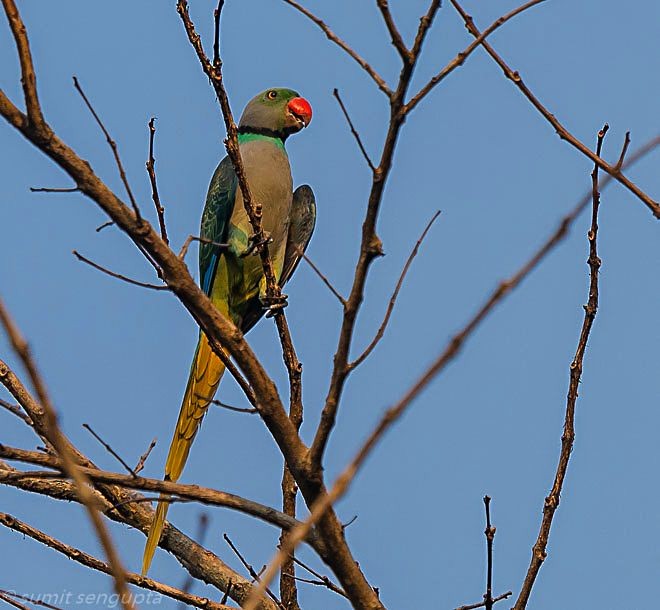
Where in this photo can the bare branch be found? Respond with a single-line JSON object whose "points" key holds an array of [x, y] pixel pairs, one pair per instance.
{"points": [[390, 307], [129, 508], [482, 604], [143, 458], [425, 23], [380, 82], [12, 602], [28, 76], [16, 410], [191, 238], [568, 437], [119, 276], [249, 568], [624, 150], [54, 435], [323, 278], [36, 602], [395, 35], [109, 449], [356, 135], [342, 483], [463, 55], [113, 147], [92, 562], [562, 132], [105, 225], [151, 170], [203, 495], [224, 405], [322, 580], [40, 189]]}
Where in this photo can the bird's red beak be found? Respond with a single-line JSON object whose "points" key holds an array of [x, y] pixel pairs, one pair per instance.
{"points": [[301, 109]]}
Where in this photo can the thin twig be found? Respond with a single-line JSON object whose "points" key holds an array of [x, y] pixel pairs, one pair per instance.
{"points": [[390, 307], [151, 170], [380, 82], [113, 147], [40, 189], [105, 225], [17, 411], [12, 602], [36, 602], [191, 238], [395, 35], [143, 458], [322, 580], [92, 562], [109, 449], [490, 537], [551, 503], [356, 135], [224, 405], [202, 527], [624, 150], [499, 598], [324, 278], [250, 569], [562, 132], [425, 23], [119, 276]]}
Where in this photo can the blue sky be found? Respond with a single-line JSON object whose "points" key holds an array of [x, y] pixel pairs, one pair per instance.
{"points": [[116, 357]]}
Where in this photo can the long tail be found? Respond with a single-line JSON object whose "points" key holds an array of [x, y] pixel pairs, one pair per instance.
{"points": [[205, 374]]}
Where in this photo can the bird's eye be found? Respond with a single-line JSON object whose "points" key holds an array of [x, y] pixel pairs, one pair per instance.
{"points": [[271, 95]]}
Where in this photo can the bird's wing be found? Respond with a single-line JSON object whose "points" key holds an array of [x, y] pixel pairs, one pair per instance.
{"points": [[215, 220], [301, 227]]}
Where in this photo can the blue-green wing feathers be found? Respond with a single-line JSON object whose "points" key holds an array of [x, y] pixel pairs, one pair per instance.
{"points": [[215, 220]]}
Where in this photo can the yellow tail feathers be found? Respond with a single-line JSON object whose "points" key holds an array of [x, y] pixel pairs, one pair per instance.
{"points": [[205, 374]]}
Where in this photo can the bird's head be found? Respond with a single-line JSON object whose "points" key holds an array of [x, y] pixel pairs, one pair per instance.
{"points": [[276, 112]]}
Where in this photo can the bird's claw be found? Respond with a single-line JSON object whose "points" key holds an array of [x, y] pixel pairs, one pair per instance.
{"points": [[254, 244], [272, 305]]}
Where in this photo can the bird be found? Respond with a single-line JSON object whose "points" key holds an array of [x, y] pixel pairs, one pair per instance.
{"points": [[230, 273]]}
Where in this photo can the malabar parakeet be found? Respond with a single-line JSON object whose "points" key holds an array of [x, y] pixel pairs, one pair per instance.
{"points": [[231, 274]]}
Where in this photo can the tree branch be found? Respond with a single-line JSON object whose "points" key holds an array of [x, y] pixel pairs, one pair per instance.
{"points": [[151, 170], [568, 437], [119, 276], [380, 82], [463, 55], [95, 564], [113, 147], [390, 307], [562, 132], [51, 431]]}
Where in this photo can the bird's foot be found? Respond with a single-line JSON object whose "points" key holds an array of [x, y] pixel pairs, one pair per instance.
{"points": [[254, 244], [273, 305]]}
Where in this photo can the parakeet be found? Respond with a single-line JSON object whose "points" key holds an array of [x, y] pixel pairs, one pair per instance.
{"points": [[232, 275]]}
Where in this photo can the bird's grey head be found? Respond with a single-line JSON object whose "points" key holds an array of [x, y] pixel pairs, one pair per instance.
{"points": [[276, 112]]}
